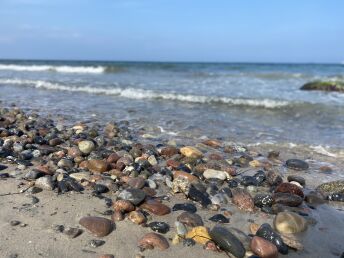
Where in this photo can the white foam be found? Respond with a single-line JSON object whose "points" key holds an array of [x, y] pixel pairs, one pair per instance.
{"points": [[321, 150], [133, 93], [53, 68]]}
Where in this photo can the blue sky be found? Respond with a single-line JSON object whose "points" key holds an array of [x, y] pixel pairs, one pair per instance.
{"points": [[173, 30]]}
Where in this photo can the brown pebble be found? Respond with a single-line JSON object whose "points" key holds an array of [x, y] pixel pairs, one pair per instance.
{"points": [[97, 226], [137, 182], [117, 216], [137, 217], [263, 248], [123, 206], [106, 256], [97, 165], [242, 199], [289, 188], [152, 240], [189, 177], [155, 207], [190, 219]]}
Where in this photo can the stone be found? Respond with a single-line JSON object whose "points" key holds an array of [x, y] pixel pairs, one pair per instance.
{"points": [[315, 198], [198, 196], [265, 231], [298, 179], [86, 147], [297, 164], [191, 152], [249, 180], [72, 232], [263, 248], [137, 217], [79, 176], [135, 196], [169, 151], [336, 197], [45, 183], [199, 234], [287, 199], [155, 207], [188, 176], [260, 176], [96, 165], [219, 218], [74, 152], [227, 241], [97, 226], [137, 182], [242, 199], [331, 187], [96, 243], [244, 238], [218, 174], [99, 188], [324, 86], [152, 160], [106, 256], [289, 188], [153, 240], [123, 206], [190, 219], [289, 222], [263, 199], [180, 228], [292, 242], [273, 178], [160, 227], [65, 163]]}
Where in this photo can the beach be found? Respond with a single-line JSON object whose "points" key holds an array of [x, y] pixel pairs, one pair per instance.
{"points": [[57, 173]]}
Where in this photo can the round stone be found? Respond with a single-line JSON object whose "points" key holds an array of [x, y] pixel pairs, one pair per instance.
{"points": [[297, 164], [289, 222], [190, 219], [263, 248], [97, 226], [86, 147], [135, 196]]}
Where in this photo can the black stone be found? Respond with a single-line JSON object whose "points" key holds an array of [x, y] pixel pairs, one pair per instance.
{"points": [[3, 167], [249, 180], [227, 241], [260, 176], [265, 231], [197, 196], [189, 207], [160, 227], [219, 218], [261, 200], [188, 242], [267, 209], [233, 183], [4, 175], [287, 199], [298, 179], [297, 164], [337, 197], [101, 188]]}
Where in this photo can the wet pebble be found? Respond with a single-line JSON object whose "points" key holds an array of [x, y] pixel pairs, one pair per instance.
{"points": [[160, 227], [100, 188], [190, 219], [242, 199], [135, 196], [265, 231], [287, 199], [289, 222], [189, 207], [289, 188], [227, 241], [155, 207], [219, 218], [297, 164], [263, 248], [263, 200], [298, 179]]}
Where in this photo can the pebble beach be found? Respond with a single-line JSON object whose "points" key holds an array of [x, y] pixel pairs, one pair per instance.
{"points": [[95, 189]]}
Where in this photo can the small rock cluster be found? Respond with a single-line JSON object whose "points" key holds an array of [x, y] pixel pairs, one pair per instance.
{"points": [[138, 181]]}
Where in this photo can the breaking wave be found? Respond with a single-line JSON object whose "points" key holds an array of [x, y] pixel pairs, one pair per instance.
{"points": [[133, 93], [54, 68]]}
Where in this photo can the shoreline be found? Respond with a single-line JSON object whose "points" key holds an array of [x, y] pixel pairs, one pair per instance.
{"points": [[143, 167]]}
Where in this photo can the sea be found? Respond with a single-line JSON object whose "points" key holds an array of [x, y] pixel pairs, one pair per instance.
{"points": [[250, 103]]}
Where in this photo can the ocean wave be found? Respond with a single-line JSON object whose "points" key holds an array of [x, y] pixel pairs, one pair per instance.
{"points": [[134, 93], [54, 68]]}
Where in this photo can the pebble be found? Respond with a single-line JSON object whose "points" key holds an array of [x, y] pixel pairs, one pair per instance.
{"points": [[289, 188], [137, 182], [137, 217], [135, 196], [123, 206], [289, 222], [96, 165], [14, 222], [72, 232], [45, 183], [180, 228], [101, 188], [155, 207], [297, 164], [298, 179], [249, 180], [97, 226], [219, 218], [86, 147], [198, 196], [189, 242], [96, 243], [331, 187], [160, 227], [227, 241], [265, 231], [153, 240], [262, 200], [190, 219], [199, 234], [242, 199], [263, 248], [273, 178], [337, 197], [65, 163], [106, 256], [212, 173], [191, 152], [287, 199]]}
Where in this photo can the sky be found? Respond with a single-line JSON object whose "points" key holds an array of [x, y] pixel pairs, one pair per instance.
{"points": [[173, 30]]}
